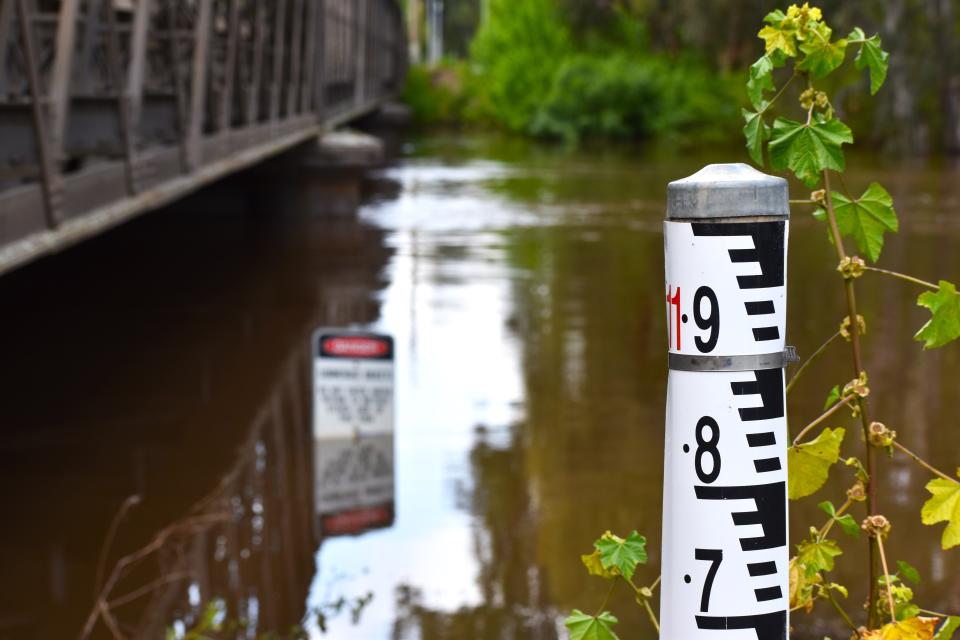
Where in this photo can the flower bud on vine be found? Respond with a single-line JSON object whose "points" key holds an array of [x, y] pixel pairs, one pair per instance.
{"points": [[857, 386], [858, 492], [876, 525], [845, 327], [880, 436], [819, 196], [851, 267]]}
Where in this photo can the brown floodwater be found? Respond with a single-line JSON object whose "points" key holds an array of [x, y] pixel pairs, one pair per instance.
{"points": [[522, 284]]}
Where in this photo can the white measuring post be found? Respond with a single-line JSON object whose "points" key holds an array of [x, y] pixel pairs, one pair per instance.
{"points": [[725, 550]]}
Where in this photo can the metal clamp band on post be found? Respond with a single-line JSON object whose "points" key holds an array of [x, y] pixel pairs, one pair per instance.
{"points": [[752, 362]]}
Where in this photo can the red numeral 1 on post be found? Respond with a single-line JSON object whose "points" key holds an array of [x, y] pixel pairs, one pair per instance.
{"points": [[673, 301]]}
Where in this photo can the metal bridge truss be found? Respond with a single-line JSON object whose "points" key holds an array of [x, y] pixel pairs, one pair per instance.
{"points": [[111, 107]]}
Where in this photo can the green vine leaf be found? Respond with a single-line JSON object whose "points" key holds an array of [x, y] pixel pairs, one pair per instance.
{"points": [[760, 79], [817, 556], [943, 506], [624, 555], [756, 131], [944, 325], [822, 56], [584, 627], [846, 521], [950, 626], [808, 464], [866, 218], [909, 571], [871, 56], [833, 397], [808, 149]]}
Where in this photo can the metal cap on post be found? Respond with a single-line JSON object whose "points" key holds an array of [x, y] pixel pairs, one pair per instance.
{"points": [[733, 190], [725, 554]]}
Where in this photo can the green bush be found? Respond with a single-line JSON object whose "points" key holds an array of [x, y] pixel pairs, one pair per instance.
{"points": [[627, 97], [593, 96], [516, 52], [531, 73]]}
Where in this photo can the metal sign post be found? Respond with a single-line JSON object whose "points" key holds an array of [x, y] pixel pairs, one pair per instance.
{"points": [[725, 551]]}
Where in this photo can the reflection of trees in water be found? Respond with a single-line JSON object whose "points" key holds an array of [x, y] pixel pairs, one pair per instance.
{"points": [[249, 543], [511, 579], [177, 375]]}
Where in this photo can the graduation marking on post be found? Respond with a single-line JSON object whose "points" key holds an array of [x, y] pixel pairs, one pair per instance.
{"points": [[725, 552]]}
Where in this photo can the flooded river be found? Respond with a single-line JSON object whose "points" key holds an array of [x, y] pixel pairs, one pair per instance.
{"points": [[522, 284]]}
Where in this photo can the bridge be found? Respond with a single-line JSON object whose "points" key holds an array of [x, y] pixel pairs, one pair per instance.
{"points": [[110, 108]]}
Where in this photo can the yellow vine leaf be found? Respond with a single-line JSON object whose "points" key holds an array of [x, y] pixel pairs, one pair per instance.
{"points": [[944, 506], [594, 566], [809, 463], [916, 628], [801, 586]]}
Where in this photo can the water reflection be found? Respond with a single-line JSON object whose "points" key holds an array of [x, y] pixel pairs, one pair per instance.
{"points": [[522, 285], [170, 360], [525, 299]]}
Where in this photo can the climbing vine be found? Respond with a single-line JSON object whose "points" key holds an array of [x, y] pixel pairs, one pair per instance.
{"points": [[800, 50]]}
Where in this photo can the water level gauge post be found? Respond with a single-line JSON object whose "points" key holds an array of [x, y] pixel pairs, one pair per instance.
{"points": [[725, 551]]}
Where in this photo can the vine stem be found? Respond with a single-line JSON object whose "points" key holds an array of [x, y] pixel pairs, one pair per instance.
{"points": [[903, 276], [923, 463], [842, 402], [646, 603], [806, 363], [851, 295], [779, 93], [886, 574], [603, 604], [651, 615], [843, 614]]}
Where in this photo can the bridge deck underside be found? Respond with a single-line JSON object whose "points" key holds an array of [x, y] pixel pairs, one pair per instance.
{"points": [[109, 108]]}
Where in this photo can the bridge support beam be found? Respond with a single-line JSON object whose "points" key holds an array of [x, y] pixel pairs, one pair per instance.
{"points": [[323, 178]]}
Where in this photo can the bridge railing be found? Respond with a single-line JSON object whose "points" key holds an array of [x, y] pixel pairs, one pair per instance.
{"points": [[111, 107]]}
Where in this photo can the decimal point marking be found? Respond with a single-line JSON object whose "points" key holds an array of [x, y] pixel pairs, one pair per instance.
{"points": [[687, 578], [684, 317], [686, 448]]}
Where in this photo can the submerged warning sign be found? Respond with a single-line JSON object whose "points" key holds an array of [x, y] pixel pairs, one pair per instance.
{"points": [[353, 384], [353, 431]]}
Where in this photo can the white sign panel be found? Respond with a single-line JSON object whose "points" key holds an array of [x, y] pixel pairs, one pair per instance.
{"points": [[725, 550], [353, 431], [352, 383]]}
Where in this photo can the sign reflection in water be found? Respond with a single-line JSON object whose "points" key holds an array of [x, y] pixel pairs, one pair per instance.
{"points": [[353, 431]]}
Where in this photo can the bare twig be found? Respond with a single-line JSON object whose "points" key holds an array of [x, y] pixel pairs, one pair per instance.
{"points": [[843, 614], [127, 504], [923, 463], [842, 402], [147, 588], [808, 361], [903, 276], [101, 606], [886, 573]]}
